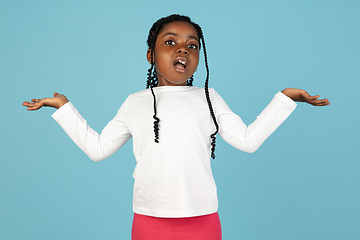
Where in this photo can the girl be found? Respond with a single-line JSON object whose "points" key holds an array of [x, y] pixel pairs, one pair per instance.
{"points": [[174, 191]]}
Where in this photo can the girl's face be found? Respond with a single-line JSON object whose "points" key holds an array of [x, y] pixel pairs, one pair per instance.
{"points": [[176, 53]]}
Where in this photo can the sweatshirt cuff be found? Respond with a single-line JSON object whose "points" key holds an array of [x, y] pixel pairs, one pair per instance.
{"points": [[62, 110], [285, 99]]}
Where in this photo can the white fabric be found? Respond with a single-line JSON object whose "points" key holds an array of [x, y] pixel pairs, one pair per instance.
{"points": [[173, 178]]}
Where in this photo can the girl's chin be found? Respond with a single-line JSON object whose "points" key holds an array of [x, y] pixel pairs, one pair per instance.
{"points": [[172, 83], [179, 81]]}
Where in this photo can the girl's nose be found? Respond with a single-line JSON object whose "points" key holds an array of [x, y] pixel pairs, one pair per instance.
{"points": [[182, 50]]}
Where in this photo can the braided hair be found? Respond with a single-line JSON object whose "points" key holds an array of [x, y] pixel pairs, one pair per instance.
{"points": [[152, 79]]}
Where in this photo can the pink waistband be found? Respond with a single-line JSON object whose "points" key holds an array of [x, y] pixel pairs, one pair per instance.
{"points": [[205, 227]]}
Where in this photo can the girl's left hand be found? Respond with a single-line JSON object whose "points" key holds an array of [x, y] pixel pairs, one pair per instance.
{"points": [[299, 95]]}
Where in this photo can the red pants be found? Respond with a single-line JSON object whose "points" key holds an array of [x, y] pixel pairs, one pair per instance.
{"points": [[205, 227]]}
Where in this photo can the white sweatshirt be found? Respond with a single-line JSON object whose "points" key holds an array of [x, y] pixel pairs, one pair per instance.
{"points": [[173, 178]]}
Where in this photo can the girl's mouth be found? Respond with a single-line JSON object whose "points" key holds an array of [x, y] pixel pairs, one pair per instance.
{"points": [[180, 65]]}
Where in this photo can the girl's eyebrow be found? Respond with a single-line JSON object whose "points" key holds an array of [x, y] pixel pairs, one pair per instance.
{"points": [[174, 34]]}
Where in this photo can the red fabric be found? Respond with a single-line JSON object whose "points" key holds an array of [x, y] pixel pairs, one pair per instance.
{"points": [[205, 227]]}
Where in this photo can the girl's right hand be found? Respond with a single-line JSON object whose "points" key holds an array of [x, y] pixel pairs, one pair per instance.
{"points": [[56, 102]]}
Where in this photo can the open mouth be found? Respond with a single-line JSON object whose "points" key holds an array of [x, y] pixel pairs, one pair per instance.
{"points": [[180, 65]]}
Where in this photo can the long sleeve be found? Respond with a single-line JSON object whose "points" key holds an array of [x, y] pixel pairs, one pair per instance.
{"points": [[97, 146], [173, 178], [249, 138]]}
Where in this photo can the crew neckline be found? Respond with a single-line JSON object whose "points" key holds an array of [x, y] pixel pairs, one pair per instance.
{"points": [[173, 87]]}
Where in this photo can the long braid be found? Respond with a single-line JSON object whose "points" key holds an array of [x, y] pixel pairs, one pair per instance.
{"points": [[157, 120], [151, 81], [148, 82], [213, 135]]}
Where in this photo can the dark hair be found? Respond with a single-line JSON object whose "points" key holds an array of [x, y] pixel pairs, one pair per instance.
{"points": [[152, 80]]}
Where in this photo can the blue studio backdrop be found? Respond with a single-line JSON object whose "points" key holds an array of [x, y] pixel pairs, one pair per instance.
{"points": [[303, 182]]}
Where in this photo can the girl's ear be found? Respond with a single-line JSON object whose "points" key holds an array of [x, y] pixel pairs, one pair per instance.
{"points": [[148, 55]]}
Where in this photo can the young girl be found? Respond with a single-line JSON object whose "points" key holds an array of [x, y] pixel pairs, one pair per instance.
{"points": [[173, 125]]}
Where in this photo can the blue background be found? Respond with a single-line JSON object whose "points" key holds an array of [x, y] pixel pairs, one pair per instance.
{"points": [[303, 183]]}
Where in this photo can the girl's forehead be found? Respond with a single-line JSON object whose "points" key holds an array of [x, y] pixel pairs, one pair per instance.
{"points": [[179, 28]]}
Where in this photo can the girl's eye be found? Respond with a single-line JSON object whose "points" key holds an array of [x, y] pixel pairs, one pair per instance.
{"points": [[170, 42], [193, 46]]}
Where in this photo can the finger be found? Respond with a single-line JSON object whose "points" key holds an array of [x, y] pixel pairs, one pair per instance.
{"points": [[322, 102], [59, 95], [326, 102], [28, 104], [56, 94], [35, 107], [312, 97], [315, 97]]}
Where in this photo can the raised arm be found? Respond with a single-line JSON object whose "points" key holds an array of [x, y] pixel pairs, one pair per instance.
{"points": [[97, 146], [249, 138]]}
